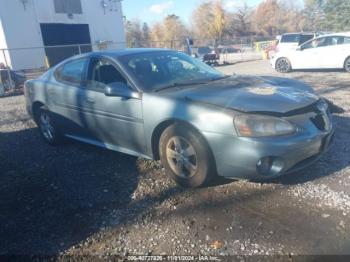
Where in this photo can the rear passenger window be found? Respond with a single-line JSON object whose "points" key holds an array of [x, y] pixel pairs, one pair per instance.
{"points": [[72, 72], [318, 42], [346, 40]]}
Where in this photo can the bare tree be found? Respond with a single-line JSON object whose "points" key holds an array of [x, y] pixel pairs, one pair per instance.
{"points": [[239, 21], [170, 33], [219, 20], [203, 20], [133, 33]]}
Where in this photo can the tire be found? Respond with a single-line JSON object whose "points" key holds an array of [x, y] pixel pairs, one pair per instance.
{"points": [[46, 126], [347, 65], [283, 65], [186, 157]]}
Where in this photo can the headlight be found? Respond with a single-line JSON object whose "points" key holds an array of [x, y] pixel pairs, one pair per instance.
{"points": [[262, 126]]}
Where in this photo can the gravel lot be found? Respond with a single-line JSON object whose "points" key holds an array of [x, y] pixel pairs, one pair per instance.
{"points": [[76, 199]]}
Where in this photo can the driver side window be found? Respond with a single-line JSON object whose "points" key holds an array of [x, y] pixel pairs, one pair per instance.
{"points": [[103, 73], [318, 42]]}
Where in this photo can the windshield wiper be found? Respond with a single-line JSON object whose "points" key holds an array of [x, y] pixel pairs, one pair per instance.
{"points": [[220, 78], [199, 82], [178, 84]]}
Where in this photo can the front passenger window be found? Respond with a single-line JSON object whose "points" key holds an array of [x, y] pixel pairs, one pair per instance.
{"points": [[318, 42], [102, 73]]}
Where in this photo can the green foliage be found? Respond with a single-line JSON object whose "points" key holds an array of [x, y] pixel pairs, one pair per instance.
{"points": [[337, 15], [328, 15]]}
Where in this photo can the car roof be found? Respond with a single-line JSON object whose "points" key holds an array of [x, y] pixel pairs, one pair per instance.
{"points": [[300, 33], [115, 53], [337, 34], [129, 51]]}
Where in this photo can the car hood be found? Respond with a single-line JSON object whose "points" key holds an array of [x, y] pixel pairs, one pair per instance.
{"points": [[253, 94]]}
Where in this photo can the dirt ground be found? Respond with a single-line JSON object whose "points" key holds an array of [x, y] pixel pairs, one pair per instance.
{"points": [[76, 199]]}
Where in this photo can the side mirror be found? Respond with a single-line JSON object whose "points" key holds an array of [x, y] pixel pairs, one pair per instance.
{"points": [[299, 48], [120, 89]]}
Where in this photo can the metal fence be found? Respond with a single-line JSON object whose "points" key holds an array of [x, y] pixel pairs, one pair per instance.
{"points": [[34, 61]]}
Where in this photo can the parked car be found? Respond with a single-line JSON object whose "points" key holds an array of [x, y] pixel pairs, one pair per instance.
{"points": [[163, 104], [291, 41], [229, 50], [17, 78], [228, 54], [324, 52], [206, 55]]}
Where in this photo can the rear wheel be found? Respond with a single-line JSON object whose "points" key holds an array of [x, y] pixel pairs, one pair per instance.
{"points": [[347, 65], [186, 156], [46, 126], [283, 65]]}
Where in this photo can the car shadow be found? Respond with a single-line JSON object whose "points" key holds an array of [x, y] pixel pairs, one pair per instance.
{"points": [[53, 198], [320, 70]]}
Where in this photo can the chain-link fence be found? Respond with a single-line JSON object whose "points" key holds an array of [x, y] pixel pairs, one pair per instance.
{"points": [[31, 62]]}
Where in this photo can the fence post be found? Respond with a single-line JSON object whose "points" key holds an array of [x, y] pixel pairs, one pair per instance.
{"points": [[79, 48], [8, 69]]}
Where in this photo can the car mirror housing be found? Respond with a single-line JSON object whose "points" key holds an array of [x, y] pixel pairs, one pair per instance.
{"points": [[299, 48], [120, 89]]}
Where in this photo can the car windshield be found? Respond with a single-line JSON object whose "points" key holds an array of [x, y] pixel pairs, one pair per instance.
{"points": [[158, 70]]}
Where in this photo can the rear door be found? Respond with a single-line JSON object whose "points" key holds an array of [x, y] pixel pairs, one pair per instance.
{"points": [[337, 51], [331, 54], [64, 95]]}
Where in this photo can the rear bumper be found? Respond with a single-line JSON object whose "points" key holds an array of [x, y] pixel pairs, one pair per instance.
{"points": [[238, 158]]}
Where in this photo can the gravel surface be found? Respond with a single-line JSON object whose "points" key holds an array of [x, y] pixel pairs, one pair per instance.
{"points": [[76, 199]]}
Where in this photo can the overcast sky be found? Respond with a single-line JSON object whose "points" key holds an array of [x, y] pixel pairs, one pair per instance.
{"points": [[154, 10]]}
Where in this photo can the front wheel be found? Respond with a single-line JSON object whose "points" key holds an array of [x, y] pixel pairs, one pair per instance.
{"points": [[347, 65], [46, 126], [186, 157], [283, 65]]}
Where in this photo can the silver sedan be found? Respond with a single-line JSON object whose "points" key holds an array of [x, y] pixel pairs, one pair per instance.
{"points": [[163, 104]]}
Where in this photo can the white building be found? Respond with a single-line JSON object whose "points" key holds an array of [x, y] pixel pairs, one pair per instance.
{"points": [[25, 24]]}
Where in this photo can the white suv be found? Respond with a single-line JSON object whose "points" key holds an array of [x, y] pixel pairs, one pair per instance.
{"points": [[324, 52]]}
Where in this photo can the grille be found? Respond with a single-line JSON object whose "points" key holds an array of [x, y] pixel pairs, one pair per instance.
{"points": [[309, 109]]}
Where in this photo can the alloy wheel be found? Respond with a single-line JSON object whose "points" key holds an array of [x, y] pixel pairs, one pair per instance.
{"points": [[347, 65], [283, 65], [46, 126], [182, 157]]}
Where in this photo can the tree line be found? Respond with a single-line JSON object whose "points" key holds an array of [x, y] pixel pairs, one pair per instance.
{"points": [[210, 20]]}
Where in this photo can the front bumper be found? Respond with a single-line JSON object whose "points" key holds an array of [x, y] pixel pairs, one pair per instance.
{"points": [[238, 157], [273, 62]]}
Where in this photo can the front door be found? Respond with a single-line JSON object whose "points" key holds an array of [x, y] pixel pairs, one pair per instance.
{"points": [[116, 122], [308, 56]]}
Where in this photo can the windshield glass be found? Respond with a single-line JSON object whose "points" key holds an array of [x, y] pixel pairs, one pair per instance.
{"points": [[158, 70]]}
